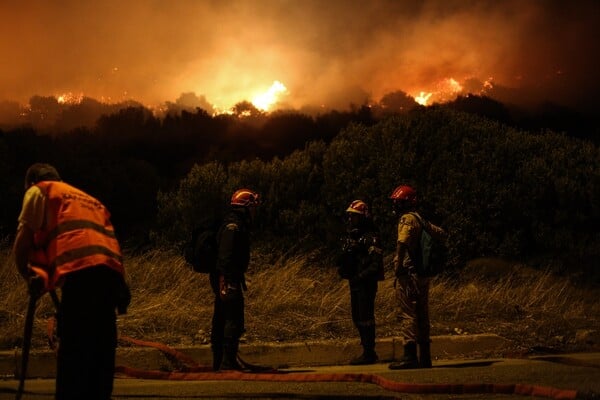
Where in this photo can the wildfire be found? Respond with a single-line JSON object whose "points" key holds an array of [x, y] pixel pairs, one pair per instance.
{"points": [[445, 90], [69, 98], [423, 98], [454, 85], [488, 84], [266, 100]]}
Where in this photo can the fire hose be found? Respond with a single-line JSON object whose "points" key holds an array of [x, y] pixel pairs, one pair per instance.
{"points": [[191, 371]]}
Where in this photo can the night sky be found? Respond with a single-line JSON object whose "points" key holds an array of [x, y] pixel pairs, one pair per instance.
{"points": [[325, 52]]}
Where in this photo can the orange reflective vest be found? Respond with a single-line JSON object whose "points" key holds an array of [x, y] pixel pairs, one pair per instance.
{"points": [[78, 234]]}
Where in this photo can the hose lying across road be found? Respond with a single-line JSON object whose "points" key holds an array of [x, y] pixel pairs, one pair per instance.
{"points": [[190, 370]]}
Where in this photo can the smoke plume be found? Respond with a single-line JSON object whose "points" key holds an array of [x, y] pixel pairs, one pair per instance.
{"points": [[326, 53]]}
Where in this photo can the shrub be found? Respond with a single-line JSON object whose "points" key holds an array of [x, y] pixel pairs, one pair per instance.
{"points": [[197, 201], [497, 190]]}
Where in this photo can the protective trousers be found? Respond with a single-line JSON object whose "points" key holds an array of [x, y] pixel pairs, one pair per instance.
{"points": [[362, 301], [227, 326], [86, 328], [412, 295]]}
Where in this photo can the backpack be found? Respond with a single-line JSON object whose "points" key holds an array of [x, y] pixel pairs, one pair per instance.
{"points": [[433, 253], [201, 251]]}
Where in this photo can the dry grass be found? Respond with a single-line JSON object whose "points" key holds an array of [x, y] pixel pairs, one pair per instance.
{"points": [[299, 298]]}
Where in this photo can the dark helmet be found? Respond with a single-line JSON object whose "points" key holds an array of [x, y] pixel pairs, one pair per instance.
{"points": [[358, 207], [404, 195], [245, 198]]}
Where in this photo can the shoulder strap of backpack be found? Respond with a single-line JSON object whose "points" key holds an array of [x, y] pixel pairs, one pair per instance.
{"points": [[420, 219]]}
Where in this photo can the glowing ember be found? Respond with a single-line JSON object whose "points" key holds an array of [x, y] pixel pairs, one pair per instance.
{"points": [[488, 84], [69, 98], [270, 97]]}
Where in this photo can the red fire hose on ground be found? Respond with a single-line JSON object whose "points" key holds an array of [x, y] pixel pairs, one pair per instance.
{"points": [[188, 369], [192, 371]]}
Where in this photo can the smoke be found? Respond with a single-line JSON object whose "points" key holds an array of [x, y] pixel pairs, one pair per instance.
{"points": [[329, 53]]}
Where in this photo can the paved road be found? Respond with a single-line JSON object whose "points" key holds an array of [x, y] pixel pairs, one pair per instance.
{"points": [[576, 371]]}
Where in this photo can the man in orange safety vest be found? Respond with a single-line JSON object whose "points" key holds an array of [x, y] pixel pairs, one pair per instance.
{"points": [[67, 237]]}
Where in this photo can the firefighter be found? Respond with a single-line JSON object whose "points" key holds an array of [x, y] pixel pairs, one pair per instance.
{"points": [[68, 235], [361, 263], [412, 290], [228, 280]]}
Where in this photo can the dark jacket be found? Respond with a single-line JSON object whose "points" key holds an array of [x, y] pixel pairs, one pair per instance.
{"points": [[361, 257], [234, 246]]}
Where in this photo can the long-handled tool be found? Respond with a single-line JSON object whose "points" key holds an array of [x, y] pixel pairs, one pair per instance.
{"points": [[36, 290], [33, 298]]}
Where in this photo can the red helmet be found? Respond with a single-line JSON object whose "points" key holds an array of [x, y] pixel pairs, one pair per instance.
{"points": [[245, 198], [358, 207], [404, 194]]}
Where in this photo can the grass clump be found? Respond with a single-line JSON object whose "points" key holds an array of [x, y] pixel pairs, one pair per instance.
{"points": [[301, 298]]}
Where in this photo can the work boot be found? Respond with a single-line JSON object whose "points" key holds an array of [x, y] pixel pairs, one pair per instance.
{"points": [[367, 357], [367, 340], [409, 360], [425, 355], [217, 353], [230, 362]]}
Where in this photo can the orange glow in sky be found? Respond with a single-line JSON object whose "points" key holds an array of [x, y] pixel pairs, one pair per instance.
{"points": [[333, 53]]}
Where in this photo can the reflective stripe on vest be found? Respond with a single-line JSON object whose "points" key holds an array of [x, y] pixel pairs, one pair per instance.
{"points": [[79, 232]]}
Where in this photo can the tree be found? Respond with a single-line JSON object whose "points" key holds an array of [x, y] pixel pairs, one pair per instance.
{"points": [[397, 101], [246, 109]]}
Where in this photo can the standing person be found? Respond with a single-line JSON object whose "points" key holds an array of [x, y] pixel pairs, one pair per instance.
{"points": [[412, 290], [228, 280], [361, 262], [68, 234]]}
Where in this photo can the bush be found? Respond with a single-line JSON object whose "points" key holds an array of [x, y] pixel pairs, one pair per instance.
{"points": [[497, 190], [197, 201]]}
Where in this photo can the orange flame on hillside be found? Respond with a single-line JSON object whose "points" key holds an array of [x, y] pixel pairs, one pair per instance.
{"points": [[265, 100], [69, 98], [445, 90], [423, 98]]}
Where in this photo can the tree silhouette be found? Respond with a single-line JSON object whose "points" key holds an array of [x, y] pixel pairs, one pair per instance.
{"points": [[246, 109], [397, 101]]}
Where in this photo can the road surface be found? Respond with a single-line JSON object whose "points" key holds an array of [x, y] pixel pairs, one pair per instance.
{"points": [[579, 372]]}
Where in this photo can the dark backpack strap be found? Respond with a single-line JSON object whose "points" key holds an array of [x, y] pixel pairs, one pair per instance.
{"points": [[421, 220]]}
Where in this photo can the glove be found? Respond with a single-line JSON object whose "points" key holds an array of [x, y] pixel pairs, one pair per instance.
{"points": [[222, 287], [227, 291]]}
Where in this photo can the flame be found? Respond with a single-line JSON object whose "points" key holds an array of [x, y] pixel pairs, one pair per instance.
{"points": [[488, 84], [266, 100], [445, 90], [453, 85], [69, 98], [422, 98]]}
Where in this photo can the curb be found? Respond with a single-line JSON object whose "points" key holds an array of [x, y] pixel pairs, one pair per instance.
{"points": [[42, 364]]}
